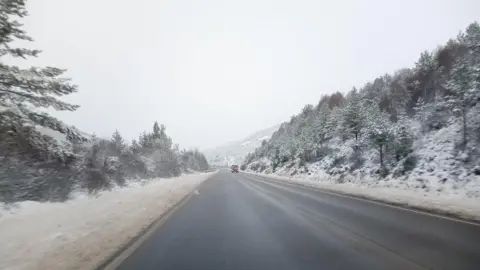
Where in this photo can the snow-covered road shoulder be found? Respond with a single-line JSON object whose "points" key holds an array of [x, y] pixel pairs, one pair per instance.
{"points": [[445, 204], [84, 232]]}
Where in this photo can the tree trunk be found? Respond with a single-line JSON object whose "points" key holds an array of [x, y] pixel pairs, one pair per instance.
{"points": [[464, 122], [381, 155]]}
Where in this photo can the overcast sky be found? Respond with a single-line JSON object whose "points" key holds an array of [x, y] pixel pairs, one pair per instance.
{"points": [[214, 71]]}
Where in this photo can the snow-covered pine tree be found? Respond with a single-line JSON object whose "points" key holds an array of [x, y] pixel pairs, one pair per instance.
{"points": [[379, 131], [425, 69], [353, 115], [92, 174], [403, 138], [276, 159], [157, 132], [24, 90], [306, 143], [423, 112], [373, 92], [464, 82], [160, 140], [166, 161], [117, 144], [460, 86], [135, 147], [145, 143], [319, 125], [471, 39], [464, 86], [202, 161], [333, 122]]}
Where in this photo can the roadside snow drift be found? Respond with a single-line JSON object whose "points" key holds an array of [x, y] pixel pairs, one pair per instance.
{"points": [[84, 232], [449, 204]]}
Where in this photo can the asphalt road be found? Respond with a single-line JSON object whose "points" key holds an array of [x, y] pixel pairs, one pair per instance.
{"points": [[242, 221]]}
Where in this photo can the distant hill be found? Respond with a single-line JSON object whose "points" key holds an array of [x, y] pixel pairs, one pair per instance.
{"points": [[235, 152]]}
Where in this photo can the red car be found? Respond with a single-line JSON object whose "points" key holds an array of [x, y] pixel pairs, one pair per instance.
{"points": [[234, 168]]}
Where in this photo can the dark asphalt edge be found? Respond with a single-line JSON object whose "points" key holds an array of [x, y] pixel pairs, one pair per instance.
{"points": [[108, 263], [466, 218]]}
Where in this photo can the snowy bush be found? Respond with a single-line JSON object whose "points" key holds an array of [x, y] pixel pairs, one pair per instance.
{"points": [[337, 160], [356, 160], [405, 165], [322, 152]]}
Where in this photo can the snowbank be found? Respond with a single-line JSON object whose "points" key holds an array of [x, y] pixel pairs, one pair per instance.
{"points": [[444, 178], [83, 232], [449, 204]]}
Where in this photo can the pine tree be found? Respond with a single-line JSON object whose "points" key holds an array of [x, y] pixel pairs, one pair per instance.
{"points": [[117, 143], [352, 115], [471, 39], [319, 125], [464, 83], [333, 122], [160, 140], [145, 142], [423, 113], [135, 147], [379, 131], [276, 160], [425, 69], [306, 143], [463, 91], [157, 132], [403, 138], [23, 90]]}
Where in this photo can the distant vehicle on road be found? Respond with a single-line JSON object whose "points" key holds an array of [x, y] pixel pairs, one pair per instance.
{"points": [[234, 168]]}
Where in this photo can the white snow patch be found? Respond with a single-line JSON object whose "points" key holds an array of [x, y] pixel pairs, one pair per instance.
{"points": [[263, 138], [83, 232]]}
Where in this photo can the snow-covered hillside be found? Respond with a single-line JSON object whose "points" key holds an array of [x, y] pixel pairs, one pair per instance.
{"points": [[439, 167], [235, 152], [416, 130]]}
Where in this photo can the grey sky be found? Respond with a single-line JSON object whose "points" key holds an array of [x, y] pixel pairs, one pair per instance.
{"points": [[214, 71]]}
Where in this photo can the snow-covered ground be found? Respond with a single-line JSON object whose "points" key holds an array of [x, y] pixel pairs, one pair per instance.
{"points": [[83, 232], [449, 204]]}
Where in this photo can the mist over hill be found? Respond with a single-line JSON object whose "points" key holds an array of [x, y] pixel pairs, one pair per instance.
{"points": [[236, 151]]}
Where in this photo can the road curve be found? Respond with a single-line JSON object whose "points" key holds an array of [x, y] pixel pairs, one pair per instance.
{"points": [[243, 221]]}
